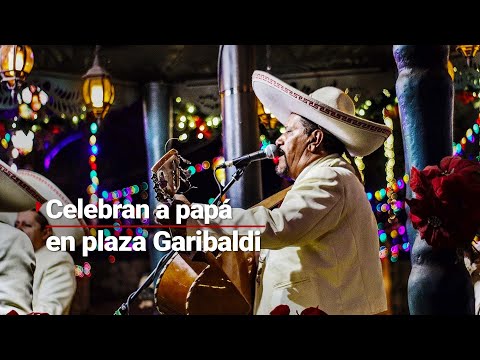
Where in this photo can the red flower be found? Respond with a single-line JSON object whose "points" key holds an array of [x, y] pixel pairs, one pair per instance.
{"points": [[445, 210], [285, 310], [420, 181], [13, 312], [281, 310], [460, 181], [313, 311]]}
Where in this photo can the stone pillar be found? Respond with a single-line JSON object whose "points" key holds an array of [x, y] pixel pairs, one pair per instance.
{"points": [[157, 122], [240, 121], [439, 282]]}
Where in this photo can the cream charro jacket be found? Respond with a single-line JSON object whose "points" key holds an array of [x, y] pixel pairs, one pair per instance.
{"points": [[54, 283], [323, 244], [17, 265]]}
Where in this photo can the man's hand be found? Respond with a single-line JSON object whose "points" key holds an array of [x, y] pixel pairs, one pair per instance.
{"points": [[161, 220], [171, 221], [181, 199]]}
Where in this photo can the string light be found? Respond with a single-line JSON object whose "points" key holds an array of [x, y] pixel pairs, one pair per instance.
{"points": [[386, 202], [92, 189], [82, 271], [460, 147], [190, 124]]}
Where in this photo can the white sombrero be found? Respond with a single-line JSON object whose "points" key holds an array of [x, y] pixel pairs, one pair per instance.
{"points": [[328, 107], [16, 194], [74, 227]]}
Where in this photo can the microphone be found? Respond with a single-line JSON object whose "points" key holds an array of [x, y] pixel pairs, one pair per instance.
{"points": [[268, 153]]}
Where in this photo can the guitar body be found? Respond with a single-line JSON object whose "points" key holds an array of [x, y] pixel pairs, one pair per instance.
{"points": [[202, 283], [206, 284]]}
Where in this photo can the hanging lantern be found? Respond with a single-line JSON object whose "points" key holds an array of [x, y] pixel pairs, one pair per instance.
{"points": [[469, 51], [98, 91], [451, 70], [16, 64]]}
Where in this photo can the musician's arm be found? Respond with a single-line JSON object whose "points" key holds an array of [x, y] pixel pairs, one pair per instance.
{"points": [[313, 202]]}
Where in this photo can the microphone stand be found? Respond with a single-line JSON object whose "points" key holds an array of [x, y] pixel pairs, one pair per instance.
{"points": [[235, 177], [125, 307]]}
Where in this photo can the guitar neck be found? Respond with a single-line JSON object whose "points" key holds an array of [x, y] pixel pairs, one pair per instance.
{"points": [[274, 200]]}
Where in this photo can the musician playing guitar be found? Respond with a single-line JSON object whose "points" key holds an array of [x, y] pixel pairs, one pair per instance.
{"points": [[320, 247]]}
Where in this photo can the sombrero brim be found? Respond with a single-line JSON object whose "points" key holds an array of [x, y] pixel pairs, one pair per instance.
{"points": [[16, 194], [62, 226], [361, 137]]}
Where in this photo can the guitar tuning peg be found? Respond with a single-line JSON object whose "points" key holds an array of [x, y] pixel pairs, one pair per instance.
{"points": [[184, 160]]}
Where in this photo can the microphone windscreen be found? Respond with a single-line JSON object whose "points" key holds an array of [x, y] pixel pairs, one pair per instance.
{"points": [[271, 151]]}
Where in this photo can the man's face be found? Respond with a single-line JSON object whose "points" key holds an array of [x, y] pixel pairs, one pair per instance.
{"points": [[293, 142], [27, 222]]}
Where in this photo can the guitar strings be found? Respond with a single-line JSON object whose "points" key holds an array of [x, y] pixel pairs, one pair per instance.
{"points": [[166, 143]]}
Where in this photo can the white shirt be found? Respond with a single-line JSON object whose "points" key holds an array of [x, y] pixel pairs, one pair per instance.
{"points": [[323, 241]]}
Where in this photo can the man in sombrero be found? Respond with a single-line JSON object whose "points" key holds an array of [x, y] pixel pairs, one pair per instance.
{"points": [[54, 283], [17, 259], [320, 247]]}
